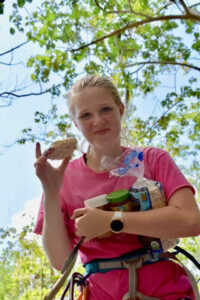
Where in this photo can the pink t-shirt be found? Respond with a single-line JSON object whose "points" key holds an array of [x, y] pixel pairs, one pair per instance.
{"points": [[165, 279]]}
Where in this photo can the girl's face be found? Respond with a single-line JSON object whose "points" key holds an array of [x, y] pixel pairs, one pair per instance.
{"points": [[98, 117]]}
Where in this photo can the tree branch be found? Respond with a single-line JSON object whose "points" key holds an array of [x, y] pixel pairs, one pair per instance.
{"points": [[6, 95], [186, 9], [10, 64], [13, 49], [137, 24], [164, 63], [136, 71], [194, 5], [166, 6], [120, 11], [155, 123], [98, 5], [177, 4]]}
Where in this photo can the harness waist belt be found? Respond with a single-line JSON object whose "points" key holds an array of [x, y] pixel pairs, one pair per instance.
{"points": [[105, 265]]}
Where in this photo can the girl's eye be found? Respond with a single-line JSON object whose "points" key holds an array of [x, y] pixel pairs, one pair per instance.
{"points": [[106, 109], [85, 116]]}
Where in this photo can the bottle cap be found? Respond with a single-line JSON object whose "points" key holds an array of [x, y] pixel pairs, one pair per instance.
{"points": [[118, 196], [96, 201], [155, 245]]}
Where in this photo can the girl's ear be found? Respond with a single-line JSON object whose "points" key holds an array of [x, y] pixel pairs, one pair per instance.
{"points": [[121, 109]]}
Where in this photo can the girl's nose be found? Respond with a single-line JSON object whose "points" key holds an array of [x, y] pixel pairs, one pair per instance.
{"points": [[98, 119]]}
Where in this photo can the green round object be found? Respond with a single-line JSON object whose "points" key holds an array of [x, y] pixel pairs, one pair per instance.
{"points": [[118, 196]]}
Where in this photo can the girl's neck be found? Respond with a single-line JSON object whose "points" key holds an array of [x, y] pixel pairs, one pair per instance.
{"points": [[94, 157]]}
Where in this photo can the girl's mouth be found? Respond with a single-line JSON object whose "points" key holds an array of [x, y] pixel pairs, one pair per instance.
{"points": [[102, 131]]}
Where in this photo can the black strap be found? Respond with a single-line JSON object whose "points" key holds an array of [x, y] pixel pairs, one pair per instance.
{"points": [[72, 255], [188, 255], [76, 278]]}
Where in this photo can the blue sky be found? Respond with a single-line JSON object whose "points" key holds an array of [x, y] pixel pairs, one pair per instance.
{"points": [[18, 183]]}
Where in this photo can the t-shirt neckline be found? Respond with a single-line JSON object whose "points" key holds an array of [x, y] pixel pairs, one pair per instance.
{"points": [[83, 160]]}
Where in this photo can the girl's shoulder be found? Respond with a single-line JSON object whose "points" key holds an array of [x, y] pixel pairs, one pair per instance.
{"points": [[151, 153], [77, 163]]}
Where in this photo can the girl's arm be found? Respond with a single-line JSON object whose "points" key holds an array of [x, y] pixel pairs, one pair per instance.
{"points": [[56, 240], [181, 218]]}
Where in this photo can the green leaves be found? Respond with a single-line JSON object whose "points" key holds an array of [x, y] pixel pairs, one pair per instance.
{"points": [[135, 56], [12, 31], [1, 8], [21, 3], [25, 273], [24, 269]]}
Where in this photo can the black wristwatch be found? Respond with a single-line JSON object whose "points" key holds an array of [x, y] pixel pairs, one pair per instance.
{"points": [[117, 222]]}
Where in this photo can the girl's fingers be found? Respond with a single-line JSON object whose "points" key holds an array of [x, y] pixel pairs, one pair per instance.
{"points": [[64, 164], [40, 161], [38, 150], [79, 212], [48, 152]]}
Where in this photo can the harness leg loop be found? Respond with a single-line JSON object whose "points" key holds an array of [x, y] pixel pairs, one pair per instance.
{"points": [[132, 266]]}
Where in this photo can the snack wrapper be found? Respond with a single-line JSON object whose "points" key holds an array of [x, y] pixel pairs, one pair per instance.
{"points": [[129, 163]]}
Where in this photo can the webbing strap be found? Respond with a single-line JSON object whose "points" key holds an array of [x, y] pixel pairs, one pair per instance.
{"points": [[132, 266], [143, 297], [192, 281], [140, 296], [108, 266], [102, 266]]}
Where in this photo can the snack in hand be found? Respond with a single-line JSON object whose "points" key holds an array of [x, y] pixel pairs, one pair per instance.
{"points": [[61, 149]]}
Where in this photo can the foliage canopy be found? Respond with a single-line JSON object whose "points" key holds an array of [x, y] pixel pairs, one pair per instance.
{"points": [[138, 44]]}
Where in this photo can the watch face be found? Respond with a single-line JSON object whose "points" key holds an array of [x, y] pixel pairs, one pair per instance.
{"points": [[116, 225]]}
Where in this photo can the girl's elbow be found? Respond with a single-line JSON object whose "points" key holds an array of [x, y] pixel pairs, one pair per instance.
{"points": [[197, 230], [194, 225], [56, 265], [55, 262]]}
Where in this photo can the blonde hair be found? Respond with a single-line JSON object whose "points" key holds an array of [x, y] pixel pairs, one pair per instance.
{"points": [[91, 81]]}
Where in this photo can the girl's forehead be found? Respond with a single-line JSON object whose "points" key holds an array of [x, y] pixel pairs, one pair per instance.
{"points": [[93, 92], [95, 95]]}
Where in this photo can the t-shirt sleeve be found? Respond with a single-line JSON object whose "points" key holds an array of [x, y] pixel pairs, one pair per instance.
{"points": [[167, 172], [39, 221]]}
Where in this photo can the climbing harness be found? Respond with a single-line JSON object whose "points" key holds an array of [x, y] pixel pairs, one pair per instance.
{"points": [[131, 261]]}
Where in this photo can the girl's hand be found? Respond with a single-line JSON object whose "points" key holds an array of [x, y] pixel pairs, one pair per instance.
{"points": [[50, 177], [91, 222]]}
